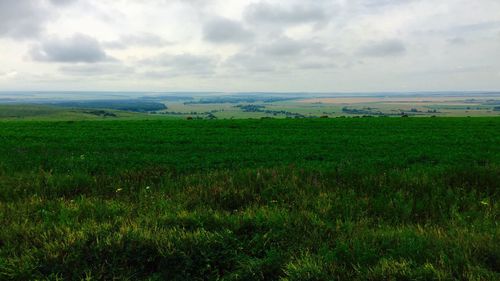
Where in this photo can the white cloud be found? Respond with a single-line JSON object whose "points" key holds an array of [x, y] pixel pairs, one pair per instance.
{"points": [[143, 39], [8, 74]]}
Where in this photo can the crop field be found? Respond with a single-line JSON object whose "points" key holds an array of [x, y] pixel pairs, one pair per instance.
{"points": [[262, 199]]}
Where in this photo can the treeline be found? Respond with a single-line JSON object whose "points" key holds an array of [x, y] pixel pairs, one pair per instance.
{"points": [[126, 105], [364, 111], [371, 111], [261, 109], [186, 113], [197, 115], [166, 98], [237, 99], [101, 113]]}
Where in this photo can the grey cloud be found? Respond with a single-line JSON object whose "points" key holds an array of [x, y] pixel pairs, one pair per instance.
{"points": [[182, 64], [78, 48], [284, 46], [481, 26], [222, 30], [22, 18], [250, 62], [316, 65], [284, 54], [391, 47], [383, 3], [456, 41], [460, 30], [264, 12], [141, 39], [62, 2]]}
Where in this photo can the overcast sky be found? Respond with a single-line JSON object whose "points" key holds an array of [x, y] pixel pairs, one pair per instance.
{"points": [[247, 45]]}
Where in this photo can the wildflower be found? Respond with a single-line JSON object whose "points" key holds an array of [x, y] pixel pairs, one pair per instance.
{"points": [[119, 190], [147, 187]]}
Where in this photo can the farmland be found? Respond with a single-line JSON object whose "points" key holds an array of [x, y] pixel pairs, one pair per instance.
{"points": [[272, 199], [301, 106], [82, 106]]}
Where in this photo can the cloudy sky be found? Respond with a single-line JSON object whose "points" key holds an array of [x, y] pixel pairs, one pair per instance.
{"points": [[250, 45]]}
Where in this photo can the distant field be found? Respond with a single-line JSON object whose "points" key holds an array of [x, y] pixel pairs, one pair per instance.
{"points": [[253, 106], [45, 112], [418, 106], [421, 99], [306, 199]]}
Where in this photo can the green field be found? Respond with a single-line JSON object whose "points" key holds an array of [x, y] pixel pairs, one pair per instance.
{"points": [[272, 199], [46, 113]]}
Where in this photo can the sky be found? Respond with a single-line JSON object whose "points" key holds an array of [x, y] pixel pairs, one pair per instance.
{"points": [[250, 45]]}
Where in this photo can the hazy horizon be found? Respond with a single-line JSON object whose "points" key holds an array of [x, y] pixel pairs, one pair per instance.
{"points": [[56, 96]]}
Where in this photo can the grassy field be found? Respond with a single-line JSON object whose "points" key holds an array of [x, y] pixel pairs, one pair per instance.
{"points": [[308, 199], [17, 112]]}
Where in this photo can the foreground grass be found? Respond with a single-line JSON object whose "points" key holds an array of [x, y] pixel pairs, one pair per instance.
{"points": [[372, 199]]}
